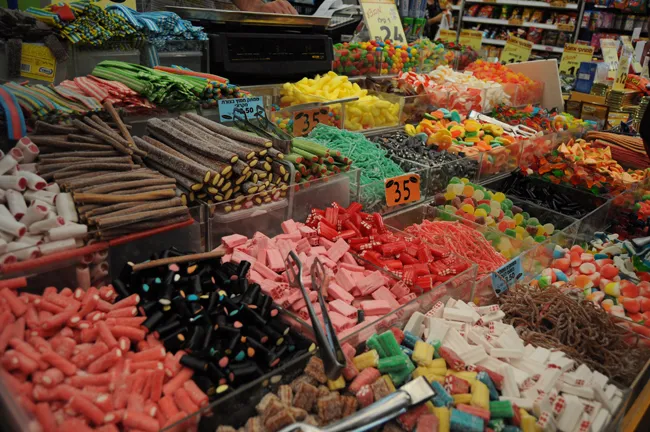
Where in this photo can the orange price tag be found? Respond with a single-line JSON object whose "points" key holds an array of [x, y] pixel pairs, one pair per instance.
{"points": [[305, 121], [402, 189]]}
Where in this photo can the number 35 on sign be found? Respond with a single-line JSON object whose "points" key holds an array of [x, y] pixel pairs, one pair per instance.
{"points": [[402, 189], [382, 19]]}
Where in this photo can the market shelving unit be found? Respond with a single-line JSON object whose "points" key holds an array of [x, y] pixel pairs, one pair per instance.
{"points": [[602, 20], [571, 28]]}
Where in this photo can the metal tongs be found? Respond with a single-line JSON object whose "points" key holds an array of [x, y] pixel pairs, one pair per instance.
{"points": [[330, 349], [519, 131], [393, 405]]}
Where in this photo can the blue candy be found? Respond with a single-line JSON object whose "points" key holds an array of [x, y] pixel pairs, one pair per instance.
{"points": [[442, 398], [485, 379], [410, 339], [560, 275], [463, 422]]}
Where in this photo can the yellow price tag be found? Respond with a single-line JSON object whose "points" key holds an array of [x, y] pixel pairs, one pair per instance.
{"points": [[516, 50], [573, 55], [565, 27], [382, 19], [621, 72], [609, 49], [402, 189], [515, 22], [305, 121], [471, 38], [559, 3], [37, 62], [447, 35]]}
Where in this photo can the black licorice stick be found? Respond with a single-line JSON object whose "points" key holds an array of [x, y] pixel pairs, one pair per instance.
{"points": [[244, 370], [153, 320], [279, 327], [232, 343], [169, 327], [207, 340], [147, 308], [194, 363], [120, 288], [265, 306], [197, 286], [251, 294], [168, 288], [197, 337], [256, 333], [179, 304], [259, 347], [220, 278], [176, 340], [242, 269], [241, 286]]}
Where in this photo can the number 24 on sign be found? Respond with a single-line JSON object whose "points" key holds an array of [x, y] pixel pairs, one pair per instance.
{"points": [[402, 189]]}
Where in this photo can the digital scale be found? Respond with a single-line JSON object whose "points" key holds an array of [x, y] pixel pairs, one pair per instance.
{"points": [[263, 48]]}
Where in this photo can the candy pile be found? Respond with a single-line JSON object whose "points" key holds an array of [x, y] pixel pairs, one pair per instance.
{"points": [[356, 295], [608, 275], [209, 315], [99, 165], [85, 22], [382, 57], [369, 157], [630, 213], [485, 207], [463, 54], [537, 118], [445, 165], [81, 359], [214, 162], [467, 92], [214, 87], [368, 112], [548, 318], [466, 242], [312, 160], [522, 90], [48, 225], [482, 376], [568, 201], [580, 163]]}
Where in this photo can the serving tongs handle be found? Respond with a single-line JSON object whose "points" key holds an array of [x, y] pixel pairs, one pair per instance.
{"points": [[330, 350]]}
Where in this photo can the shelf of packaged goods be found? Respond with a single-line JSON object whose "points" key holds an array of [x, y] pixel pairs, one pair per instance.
{"points": [[536, 47], [509, 23], [538, 4]]}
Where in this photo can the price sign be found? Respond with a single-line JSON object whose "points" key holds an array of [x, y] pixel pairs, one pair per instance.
{"points": [[305, 121], [37, 62], [515, 22], [621, 72], [506, 275], [447, 35], [249, 106], [609, 47], [627, 45], [402, 189], [382, 20], [559, 4], [573, 55], [471, 38], [516, 50]]}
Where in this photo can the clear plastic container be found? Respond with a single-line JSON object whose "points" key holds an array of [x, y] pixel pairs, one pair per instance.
{"points": [[86, 57]]}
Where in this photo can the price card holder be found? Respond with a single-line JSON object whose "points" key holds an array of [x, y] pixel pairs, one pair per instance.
{"points": [[306, 120], [37, 62], [559, 4], [515, 22], [565, 27], [507, 275], [609, 48], [402, 189], [472, 38], [249, 105], [448, 35], [621, 72], [573, 55], [382, 20], [517, 50]]}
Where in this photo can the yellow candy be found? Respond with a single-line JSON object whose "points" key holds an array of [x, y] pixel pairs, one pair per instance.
{"points": [[458, 128], [613, 289], [429, 374], [430, 406], [443, 415], [488, 138], [464, 398], [528, 423], [519, 229], [480, 213], [480, 395], [337, 384], [472, 125], [422, 353], [410, 130], [519, 218], [366, 360], [470, 377], [464, 180], [450, 196], [540, 230], [389, 382], [467, 208], [438, 363], [489, 221], [499, 197]]}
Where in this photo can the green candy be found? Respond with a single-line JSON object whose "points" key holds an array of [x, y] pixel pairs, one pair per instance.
{"points": [[501, 409], [396, 363], [389, 344], [374, 344]]}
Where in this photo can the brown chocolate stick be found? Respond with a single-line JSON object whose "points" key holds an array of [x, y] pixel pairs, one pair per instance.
{"points": [[229, 132], [194, 171], [101, 135], [43, 128], [63, 144], [117, 166], [112, 199], [108, 106], [54, 164], [84, 138], [112, 233], [113, 221], [153, 205], [143, 189], [81, 183], [180, 178], [131, 184], [196, 158], [91, 154], [216, 253], [105, 127], [100, 210]]}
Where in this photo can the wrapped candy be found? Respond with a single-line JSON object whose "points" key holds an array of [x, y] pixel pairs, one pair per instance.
{"points": [[522, 90]]}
